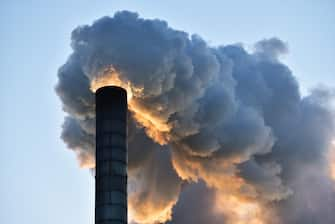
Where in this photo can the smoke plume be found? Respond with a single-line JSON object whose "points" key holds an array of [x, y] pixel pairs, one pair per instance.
{"points": [[216, 134]]}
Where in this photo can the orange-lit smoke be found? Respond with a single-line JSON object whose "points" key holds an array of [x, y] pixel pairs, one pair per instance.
{"points": [[86, 160], [110, 77], [239, 211], [146, 212], [234, 197], [155, 127]]}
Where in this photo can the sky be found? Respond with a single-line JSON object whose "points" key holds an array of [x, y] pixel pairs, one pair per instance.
{"points": [[41, 179]]}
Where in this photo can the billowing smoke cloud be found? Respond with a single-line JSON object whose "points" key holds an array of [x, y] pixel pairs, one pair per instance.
{"points": [[216, 134]]}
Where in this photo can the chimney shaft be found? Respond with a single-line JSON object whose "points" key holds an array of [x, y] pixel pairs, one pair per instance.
{"points": [[111, 156]]}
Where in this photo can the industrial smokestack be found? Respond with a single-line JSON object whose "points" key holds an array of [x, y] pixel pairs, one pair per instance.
{"points": [[227, 116], [111, 156]]}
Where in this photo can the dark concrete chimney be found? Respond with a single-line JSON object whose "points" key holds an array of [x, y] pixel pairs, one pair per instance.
{"points": [[111, 156]]}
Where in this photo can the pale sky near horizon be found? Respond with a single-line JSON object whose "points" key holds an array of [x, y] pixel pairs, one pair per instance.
{"points": [[41, 181]]}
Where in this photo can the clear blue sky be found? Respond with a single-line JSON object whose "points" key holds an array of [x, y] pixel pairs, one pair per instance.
{"points": [[40, 179]]}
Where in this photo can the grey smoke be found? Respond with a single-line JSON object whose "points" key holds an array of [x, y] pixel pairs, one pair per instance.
{"points": [[195, 206], [224, 104]]}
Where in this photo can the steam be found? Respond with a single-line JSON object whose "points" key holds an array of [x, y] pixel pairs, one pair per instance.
{"points": [[218, 123]]}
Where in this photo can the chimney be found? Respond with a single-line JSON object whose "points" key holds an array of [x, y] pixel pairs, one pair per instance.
{"points": [[111, 156]]}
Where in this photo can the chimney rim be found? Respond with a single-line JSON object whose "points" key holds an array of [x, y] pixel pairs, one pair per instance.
{"points": [[111, 87]]}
